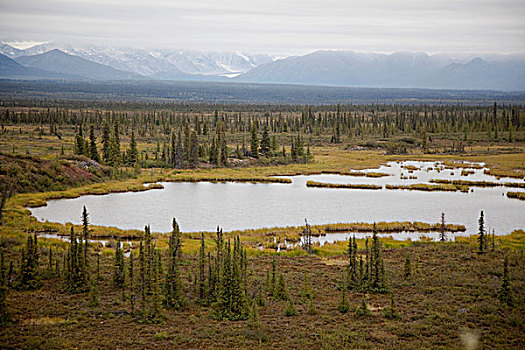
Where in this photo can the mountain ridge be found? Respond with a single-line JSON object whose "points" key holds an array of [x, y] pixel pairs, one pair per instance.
{"points": [[60, 62], [322, 67]]}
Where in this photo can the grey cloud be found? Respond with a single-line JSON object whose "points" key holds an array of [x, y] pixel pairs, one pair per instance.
{"points": [[285, 26]]}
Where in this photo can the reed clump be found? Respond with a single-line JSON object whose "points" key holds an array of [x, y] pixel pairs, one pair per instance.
{"points": [[479, 183], [466, 172], [348, 186], [517, 195], [404, 226], [410, 167], [427, 187], [229, 179], [499, 173]]}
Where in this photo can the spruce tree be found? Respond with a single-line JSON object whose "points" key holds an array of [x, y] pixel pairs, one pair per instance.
{"points": [[133, 153], [363, 309], [106, 143], [265, 142], [194, 150], [93, 294], [239, 306], [254, 322], [232, 303], [29, 265], [281, 291], [306, 289], [224, 298], [76, 275], [179, 157], [131, 283], [173, 285], [116, 144], [377, 278], [353, 278], [79, 141], [391, 312], [119, 269], [202, 267], [481, 233], [224, 151], [254, 143], [155, 305], [93, 145], [344, 305], [85, 235], [290, 308], [142, 279], [505, 290], [273, 287]]}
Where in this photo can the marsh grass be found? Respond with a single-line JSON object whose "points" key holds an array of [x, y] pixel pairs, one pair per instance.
{"points": [[427, 187], [517, 195], [348, 186], [479, 183]]}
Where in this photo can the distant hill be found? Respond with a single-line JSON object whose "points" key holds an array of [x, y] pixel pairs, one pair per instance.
{"points": [[403, 70], [63, 63], [9, 68]]}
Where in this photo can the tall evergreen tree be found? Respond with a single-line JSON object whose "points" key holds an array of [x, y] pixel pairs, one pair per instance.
{"points": [[106, 143], [173, 285], [119, 269], [194, 150], [131, 283], [76, 276], [255, 143], [179, 157], [85, 235], [133, 153], [265, 142], [505, 291], [29, 265], [93, 145], [202, 269], [481, 232], [79, 141]]}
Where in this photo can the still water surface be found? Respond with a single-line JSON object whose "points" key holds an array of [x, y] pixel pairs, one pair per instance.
{"points": [[204, 205]]}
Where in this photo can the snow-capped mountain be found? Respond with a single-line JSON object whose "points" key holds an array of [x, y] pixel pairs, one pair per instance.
{"points": [[333, 68], [153, 62]]}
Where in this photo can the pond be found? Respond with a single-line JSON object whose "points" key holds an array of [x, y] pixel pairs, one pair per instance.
{"points": [[235, 206]]}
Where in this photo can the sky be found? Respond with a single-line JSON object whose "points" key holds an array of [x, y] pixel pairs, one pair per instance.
{"points": [[272, 26]]}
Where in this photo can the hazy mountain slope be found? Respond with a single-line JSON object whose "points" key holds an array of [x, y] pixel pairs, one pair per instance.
{"points": [[408, 70], [10, 51], [334, 68], [61, 62], [11, 69], [152, 62]]}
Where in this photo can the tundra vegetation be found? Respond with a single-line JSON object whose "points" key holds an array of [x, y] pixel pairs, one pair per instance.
{"points": [[235, 289]]}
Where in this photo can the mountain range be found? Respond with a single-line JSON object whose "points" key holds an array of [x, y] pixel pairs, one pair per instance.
{"points": [[330, 68]]}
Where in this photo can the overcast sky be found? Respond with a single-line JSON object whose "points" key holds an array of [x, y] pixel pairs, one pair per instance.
{"points": [[273, 26]]}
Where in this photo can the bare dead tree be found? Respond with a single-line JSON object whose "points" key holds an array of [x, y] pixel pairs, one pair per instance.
{"points": [[307, 238], [443, 236]]}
